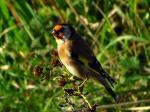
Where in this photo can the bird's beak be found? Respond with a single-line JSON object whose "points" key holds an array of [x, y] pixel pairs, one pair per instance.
{"points": [[53, 32]]}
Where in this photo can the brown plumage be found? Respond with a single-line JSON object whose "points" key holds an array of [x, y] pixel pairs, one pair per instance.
{"points": [[78, 58]]}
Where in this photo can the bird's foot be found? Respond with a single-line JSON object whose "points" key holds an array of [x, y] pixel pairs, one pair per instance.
{"points": [[80, 87]]}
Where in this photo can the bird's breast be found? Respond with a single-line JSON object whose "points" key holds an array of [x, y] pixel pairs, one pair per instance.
{"points": [[64, 54], [65, 57]]}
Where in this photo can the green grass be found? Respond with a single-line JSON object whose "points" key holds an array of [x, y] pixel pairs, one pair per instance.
{"points": [[118, 32]]}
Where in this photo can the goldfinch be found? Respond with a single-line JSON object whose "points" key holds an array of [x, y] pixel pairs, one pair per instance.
{"points": [[78, 58]]}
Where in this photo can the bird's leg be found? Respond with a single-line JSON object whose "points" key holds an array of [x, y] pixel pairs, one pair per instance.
{"points": [[82, 84], [80, 87]]}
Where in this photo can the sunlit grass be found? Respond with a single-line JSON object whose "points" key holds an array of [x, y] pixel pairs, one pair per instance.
{"points": [[118, 32]]}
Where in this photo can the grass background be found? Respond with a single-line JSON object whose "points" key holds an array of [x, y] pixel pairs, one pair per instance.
{"points": [[118, 32]]}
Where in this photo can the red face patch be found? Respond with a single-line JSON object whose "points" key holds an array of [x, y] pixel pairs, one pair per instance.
{"points": [[58, 31], [58, 27]]}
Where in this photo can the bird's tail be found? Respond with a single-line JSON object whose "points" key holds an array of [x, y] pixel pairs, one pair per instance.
{"points": [[106, 75], [108, 87], [105, 83]]}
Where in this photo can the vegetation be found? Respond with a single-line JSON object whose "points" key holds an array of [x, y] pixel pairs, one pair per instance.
{"points": [[32, 79]]}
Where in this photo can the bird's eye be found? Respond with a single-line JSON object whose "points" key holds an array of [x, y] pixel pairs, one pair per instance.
{"points": [[61, 30], [57, 33]]}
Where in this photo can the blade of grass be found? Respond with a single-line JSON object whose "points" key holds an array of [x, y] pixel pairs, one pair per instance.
{"points": [[49, 101], [7, 30], [126, 37], [4, 9], [105, 17], [121, 38], [80, 20], [24, 22]]}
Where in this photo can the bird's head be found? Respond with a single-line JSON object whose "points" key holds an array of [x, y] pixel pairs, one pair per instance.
{"points": [[62, 32]]}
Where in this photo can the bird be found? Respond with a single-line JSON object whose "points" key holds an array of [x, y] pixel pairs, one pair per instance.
{"points": [[77, 56]]}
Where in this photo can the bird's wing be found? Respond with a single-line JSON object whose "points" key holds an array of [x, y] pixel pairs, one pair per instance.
{"points": [[81, 52]]}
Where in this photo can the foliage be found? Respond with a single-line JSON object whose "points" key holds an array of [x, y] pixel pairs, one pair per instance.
{"points": [[118, 32]]}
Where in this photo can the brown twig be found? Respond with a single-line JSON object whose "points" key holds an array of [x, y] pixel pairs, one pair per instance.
{"points": [[13, 12]]}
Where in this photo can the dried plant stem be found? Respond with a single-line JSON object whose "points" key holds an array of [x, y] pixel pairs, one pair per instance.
{"points": [[123, 104], [13, 12], [85, 100]]}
